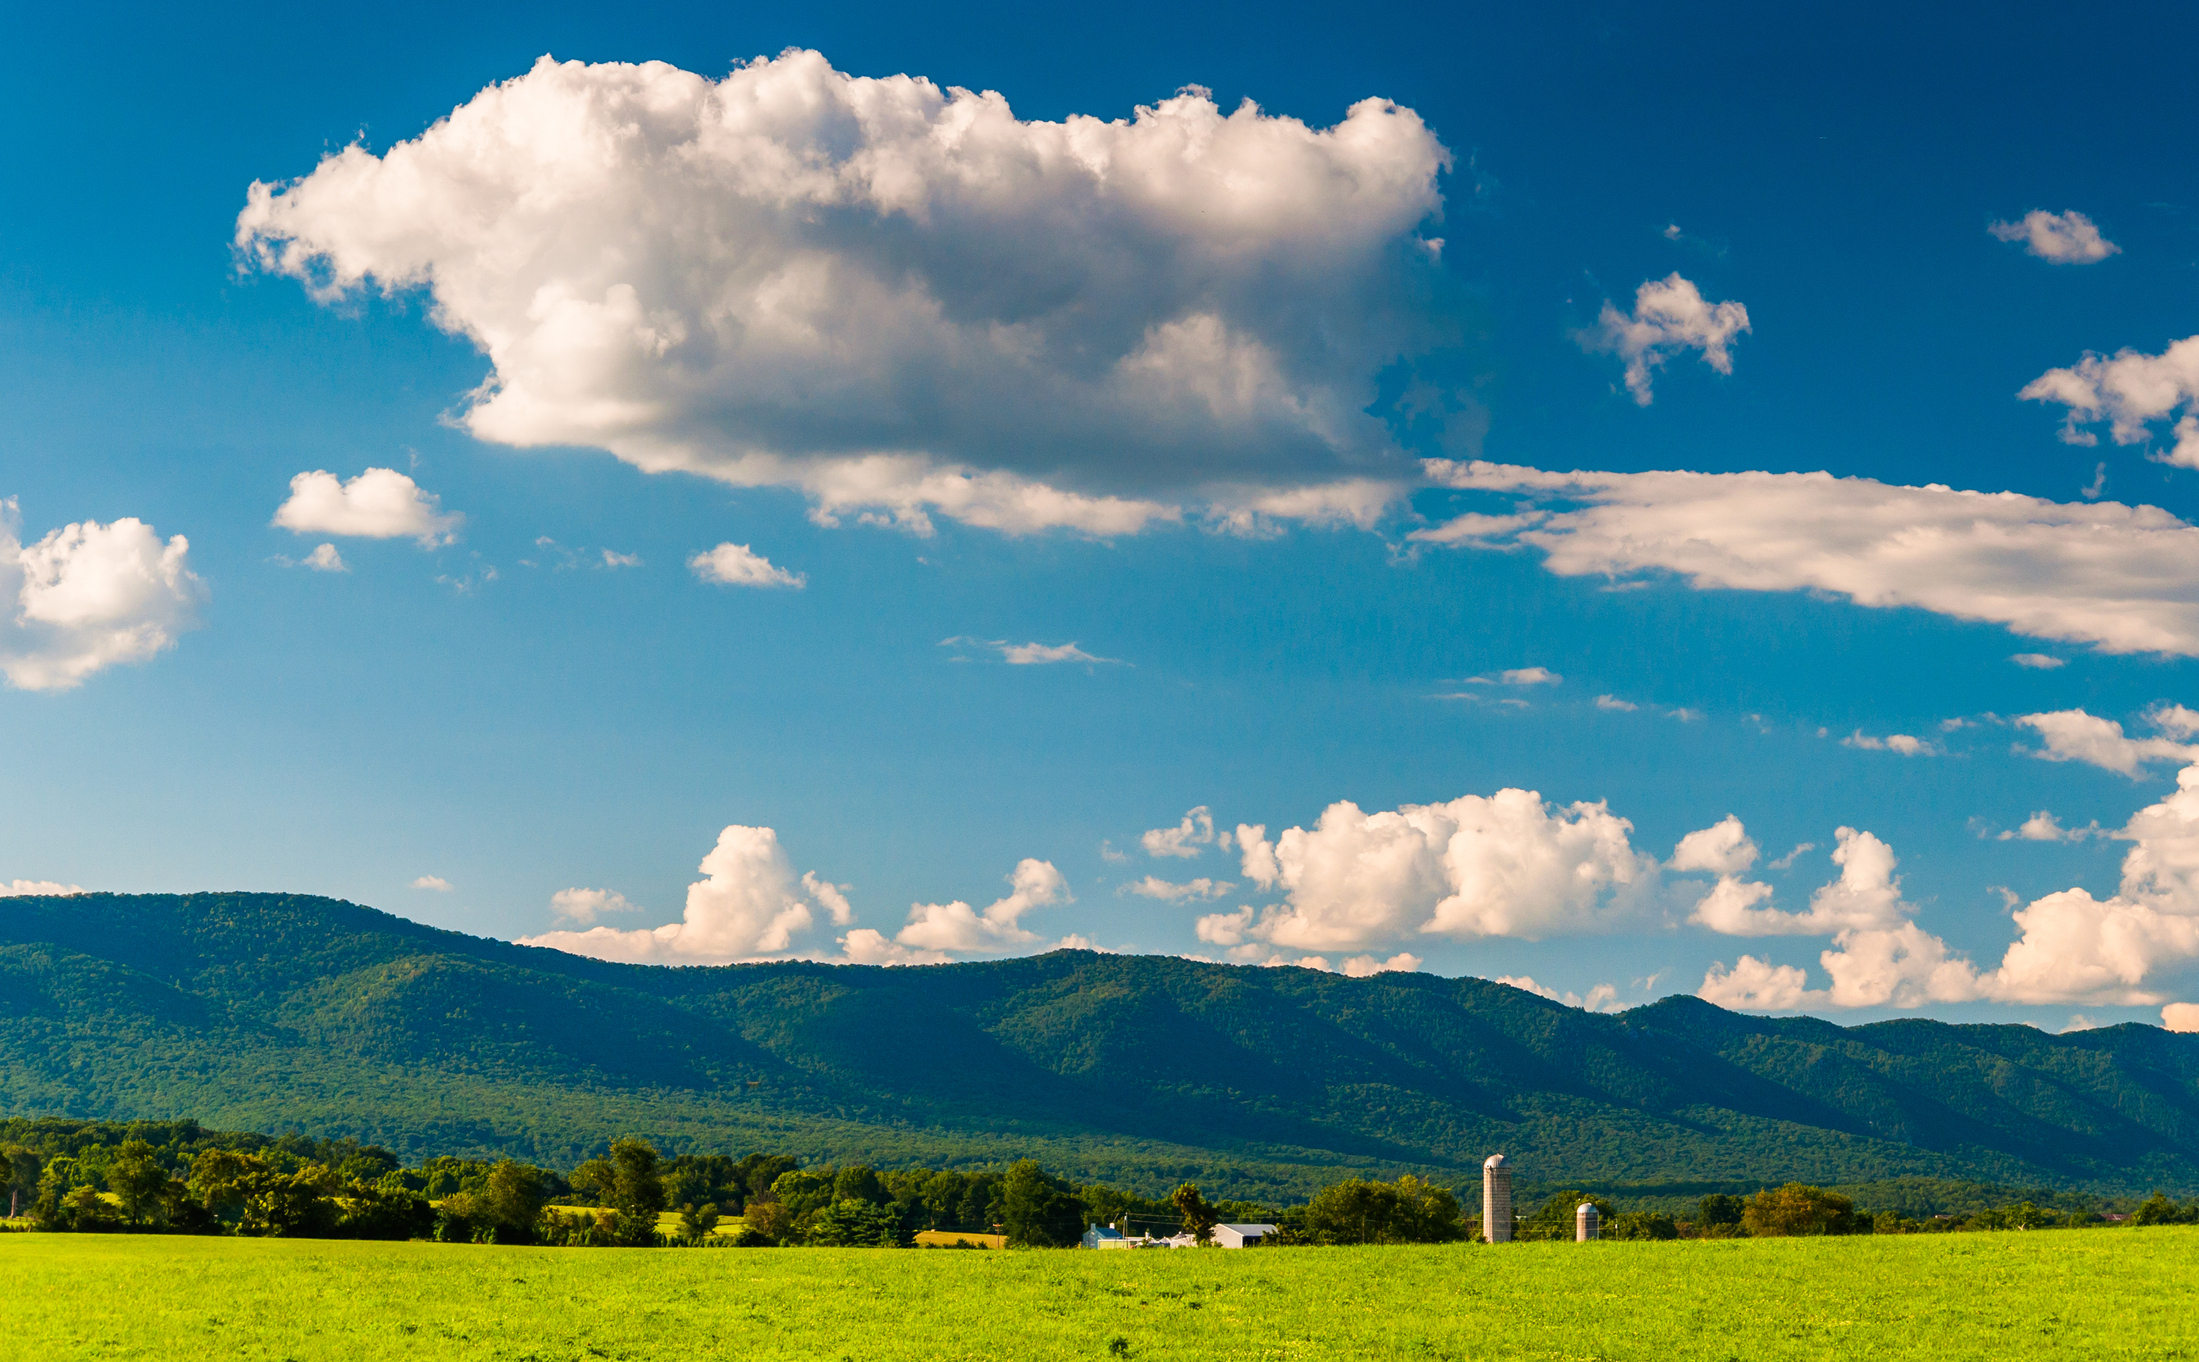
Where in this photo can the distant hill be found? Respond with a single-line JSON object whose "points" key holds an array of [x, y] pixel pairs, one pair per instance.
{"points": [[274, 1011]]}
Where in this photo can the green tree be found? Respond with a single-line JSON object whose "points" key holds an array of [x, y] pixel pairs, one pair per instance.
{"points": [[1362, 1211], [769, 1221], [2159, 1210], [138, 1180], [505, 1209], [859, 1183], [1718, 1214], [628, 1182], [699, 1222], [851, 1223], [20, 1168], [1639, 1225], [1199, 1215], [1798, 1209], [1039, 1212], [300, 1205]]}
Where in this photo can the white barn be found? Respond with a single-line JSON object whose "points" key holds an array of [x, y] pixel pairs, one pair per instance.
{"points": [[1241, 1236]]}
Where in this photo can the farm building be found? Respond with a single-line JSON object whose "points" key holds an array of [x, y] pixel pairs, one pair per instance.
{"points": [[1106, 1237], [1241, 1236]]}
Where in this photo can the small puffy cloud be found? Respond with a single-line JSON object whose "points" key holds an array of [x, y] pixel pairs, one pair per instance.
{"points": [[2183, 1017], [10, 889], [1226, 929], [1903, 743], [434, 882], [1670, 316], [1754, 985], [1041, 654], [1503, 865], [748, 905], [380, 503], [614, 560], [324, 558], [587, 906], [1366, 966], [1601, 998], [1723, 848], [2116, 577], [1187, 839], [1154, 887], [735, 565], [2044, 827], [899, 297], [1791, 857], [2038, 662], [936, 930], [2074, 735], [1518, 676], [2064, 238], [2130, 391], [1615, 704], [89, 596]]}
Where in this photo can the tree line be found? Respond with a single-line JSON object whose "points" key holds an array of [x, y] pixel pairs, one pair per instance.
{"points": [[178, 1178]]}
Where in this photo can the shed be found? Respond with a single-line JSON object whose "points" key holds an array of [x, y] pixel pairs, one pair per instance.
{"points": [[1105, 1237]]}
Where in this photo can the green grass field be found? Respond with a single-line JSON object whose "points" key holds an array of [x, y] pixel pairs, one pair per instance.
{"points": [[2103, 1293]]}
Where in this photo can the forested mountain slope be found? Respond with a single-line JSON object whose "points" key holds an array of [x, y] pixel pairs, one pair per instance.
{"points": [[269, 1011]]}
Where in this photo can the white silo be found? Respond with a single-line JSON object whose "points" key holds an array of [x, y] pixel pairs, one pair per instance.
{"points": [[1586, 1219], [1496, 1200]]}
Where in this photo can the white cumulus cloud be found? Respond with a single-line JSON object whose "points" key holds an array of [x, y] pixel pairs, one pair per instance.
{"points": [[2074, 735], [1508, 864], [2130, 391], [2070, 947], [1601, 998], [43, 888], [1670, 316], [2182, 1017], [587, 906], [736, 565], [88, 596], [2120, 578], [898, 297], [2068, 238], [434, 882], [1187, 839], [380, 503], [1906, 744], [935, 931], [748, 905]]}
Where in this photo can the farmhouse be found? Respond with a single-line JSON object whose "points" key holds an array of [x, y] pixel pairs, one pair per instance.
{"points": [[1105, 1237]]}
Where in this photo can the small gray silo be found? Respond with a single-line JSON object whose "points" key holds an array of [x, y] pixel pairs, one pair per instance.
{"points": [[1496, 1200], [1586, 1219]]}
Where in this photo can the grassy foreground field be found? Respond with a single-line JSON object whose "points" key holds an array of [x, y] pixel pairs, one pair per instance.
{"points": [[2104, 1293]]}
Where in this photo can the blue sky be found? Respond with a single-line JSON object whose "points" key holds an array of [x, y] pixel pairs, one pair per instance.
{"points": [[515, 710]]}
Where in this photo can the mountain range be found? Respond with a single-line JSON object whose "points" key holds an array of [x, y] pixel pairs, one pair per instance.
{"points": [[280, 1011]]}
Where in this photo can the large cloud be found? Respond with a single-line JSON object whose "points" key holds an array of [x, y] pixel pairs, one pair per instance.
{"points": [[899, 297], [1507, 864], [88, 596], [748, 905], [2070, 946], [2124, 579]]}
